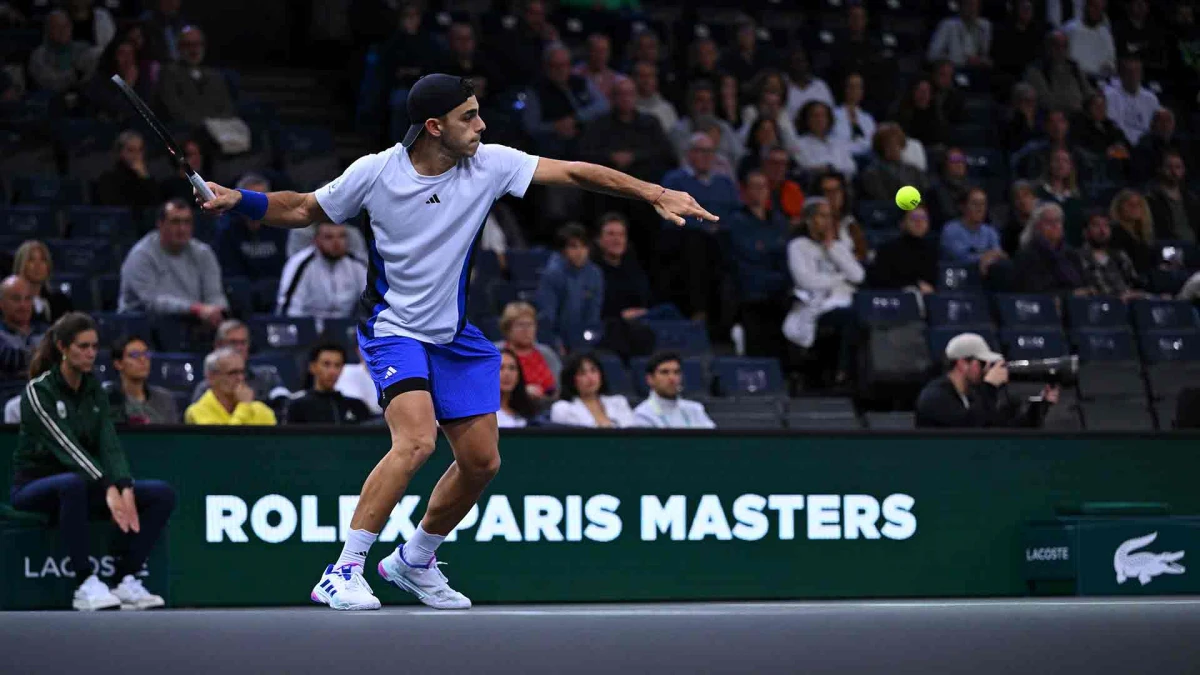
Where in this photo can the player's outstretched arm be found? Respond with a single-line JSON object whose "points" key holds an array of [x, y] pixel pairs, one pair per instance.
{"points": [[672, 205], [282, 209]]}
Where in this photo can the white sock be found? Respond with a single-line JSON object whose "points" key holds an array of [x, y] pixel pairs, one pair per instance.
{"points": [[418, 551], [358, 543]]}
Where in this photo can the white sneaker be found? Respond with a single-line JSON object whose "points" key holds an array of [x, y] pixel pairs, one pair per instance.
{"points": [[133, 595], [427, 583], [344, 588], [93, 594]]}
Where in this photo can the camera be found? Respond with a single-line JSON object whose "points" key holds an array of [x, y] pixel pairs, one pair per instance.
{"points": [[1056, 370]]}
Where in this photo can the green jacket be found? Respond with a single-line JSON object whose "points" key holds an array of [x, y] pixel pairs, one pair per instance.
{"points": [[66, 430]]}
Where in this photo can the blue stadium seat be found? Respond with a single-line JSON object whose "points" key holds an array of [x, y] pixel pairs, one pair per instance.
{"points": [[738, 376], [263, 295], [82, 256], [268, 332], [113, 325], [28, 222], [107, 291], [180, 334], [1033, 343], [284, 364], [304, 141], [1102, 345], [524, 267], [344, 332], [490, 327], [694, 381], [1097, 311], [240, 295], [90, 146], [953, 277], [114, 223], [685, 337], [616, 375], [500, 293], [486, 265], [1027, 310], [177, 371], [1166, 346], [940, 337], [877, 214], [965, 311], [882, 308], [1173, 315], [984, 163], [48, 190]]}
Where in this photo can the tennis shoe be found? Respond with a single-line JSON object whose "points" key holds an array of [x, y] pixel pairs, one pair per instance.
{"points": [[426, 582], [344, 588]]}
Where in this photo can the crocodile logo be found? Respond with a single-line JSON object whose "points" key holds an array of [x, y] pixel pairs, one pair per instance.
{"points": [[1144, 566]]}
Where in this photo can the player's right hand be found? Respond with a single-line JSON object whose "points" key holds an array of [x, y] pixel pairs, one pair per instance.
{"points": [[223, 200]]}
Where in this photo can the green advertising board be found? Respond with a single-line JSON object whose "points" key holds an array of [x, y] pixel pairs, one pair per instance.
{"points": [[625, 516]]}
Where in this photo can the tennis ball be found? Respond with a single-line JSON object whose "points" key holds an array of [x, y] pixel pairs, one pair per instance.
{"points": [[908, 198]]}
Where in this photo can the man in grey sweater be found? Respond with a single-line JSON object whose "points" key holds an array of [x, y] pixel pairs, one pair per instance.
{"points": [[168, 272]]}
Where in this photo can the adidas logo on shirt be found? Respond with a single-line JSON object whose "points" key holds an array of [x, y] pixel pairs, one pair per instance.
{"points": [[433, 200]]}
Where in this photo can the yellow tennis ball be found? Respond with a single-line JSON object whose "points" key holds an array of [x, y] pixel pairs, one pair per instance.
{"points": [[908, 198]]}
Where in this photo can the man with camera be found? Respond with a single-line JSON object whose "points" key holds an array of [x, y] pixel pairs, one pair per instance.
{"points": [[973, 392]]}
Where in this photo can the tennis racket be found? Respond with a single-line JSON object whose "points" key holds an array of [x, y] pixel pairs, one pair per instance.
{"points": [[177, 155]]}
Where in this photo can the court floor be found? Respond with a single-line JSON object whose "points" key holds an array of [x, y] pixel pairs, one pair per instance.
{"points": [[1011, 636]]}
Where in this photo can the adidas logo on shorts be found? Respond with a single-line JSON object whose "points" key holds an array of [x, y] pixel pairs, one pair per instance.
{"points": [[390, 372]]}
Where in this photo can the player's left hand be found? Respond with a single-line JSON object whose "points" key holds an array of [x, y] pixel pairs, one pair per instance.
{"points": [[677, 207]]}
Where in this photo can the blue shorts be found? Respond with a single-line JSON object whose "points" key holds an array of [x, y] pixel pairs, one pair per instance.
{"points": [[462, 376]]}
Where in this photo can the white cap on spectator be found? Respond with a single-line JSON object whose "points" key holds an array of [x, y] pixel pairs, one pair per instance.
{"points": [[970, 346]]}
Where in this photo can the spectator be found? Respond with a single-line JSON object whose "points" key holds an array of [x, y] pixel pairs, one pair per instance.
{"points": [[710, 126], [645, 47], [649, 101], [1175, 208], [128, 183], [802, 86], [717, 193], [68, 464], [584, 401], [1059, 82], [559, 105], [60, 63], [973, 392], [323, 280], [964, 40], [355, 382], [169, 272], [1130, 105], [1095, 133], [626, 288], [1139, 33], [190, 91], [94, 26], [832, 186], [770, 105], [1023, 28], [1022, 196], [825, 276], [744, 59], [851, 123], [858, 50], [163, 28], [729, 101], [888, 173], [910, 261], [763, 137], [786, 195], [701, 109], [466, 60], [264, 381], [131, 400], [523, 50], [1091, 39], [919, 117], [626, 139], [1059, 12], [1148, 153], [304, 237], [756, 249], [1184, 43], [245, 247], [971, 241], [1134, 228], [198, 157], [570, 293], [32, 263], [321, 403], [230, 401], [703, 61], [1046, 263], [665, 408], [596, 69], [1022, 125], [950, 188], [1060, 185], [1033, 160], [818, 149], [19, 335], [107, 101], [409, 51], [1107, 271], [946, 95], [516, 406], [540, 364]]}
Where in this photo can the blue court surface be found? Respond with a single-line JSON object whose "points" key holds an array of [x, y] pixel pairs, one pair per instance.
{"points": [[989, 636]]}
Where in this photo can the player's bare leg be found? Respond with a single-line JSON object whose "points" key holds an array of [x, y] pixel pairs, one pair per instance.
{"points": [[410, 418]]}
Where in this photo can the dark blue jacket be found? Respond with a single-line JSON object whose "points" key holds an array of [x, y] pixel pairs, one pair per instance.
{"points": [[569, 299], [257, 254]]}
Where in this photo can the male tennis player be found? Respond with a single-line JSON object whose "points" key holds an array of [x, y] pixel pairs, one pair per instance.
{"points": [[427, 200]]}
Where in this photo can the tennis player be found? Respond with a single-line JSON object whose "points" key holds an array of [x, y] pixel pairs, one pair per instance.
{"points": [[427, 200]]}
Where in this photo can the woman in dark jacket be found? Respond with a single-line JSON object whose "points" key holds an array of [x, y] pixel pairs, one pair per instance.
{"points": [[69, 464], [32, 263]]}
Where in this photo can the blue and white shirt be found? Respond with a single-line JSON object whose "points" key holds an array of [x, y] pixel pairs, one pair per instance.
{"points": [[423, 229]]}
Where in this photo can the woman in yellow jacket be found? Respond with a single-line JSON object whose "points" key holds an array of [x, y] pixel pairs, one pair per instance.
{"points": [[229, 400]]}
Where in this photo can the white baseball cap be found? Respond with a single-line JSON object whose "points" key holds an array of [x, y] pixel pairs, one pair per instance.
{"points": [[970, 346]]}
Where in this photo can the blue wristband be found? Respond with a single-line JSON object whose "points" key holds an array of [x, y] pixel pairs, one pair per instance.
{"points": [[253, 204]]}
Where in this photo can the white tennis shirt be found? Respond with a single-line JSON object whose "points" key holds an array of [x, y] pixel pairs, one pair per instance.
{"points": [[423, 230]]}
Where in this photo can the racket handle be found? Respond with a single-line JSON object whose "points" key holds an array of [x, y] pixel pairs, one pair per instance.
{"points": [[198, 183]]}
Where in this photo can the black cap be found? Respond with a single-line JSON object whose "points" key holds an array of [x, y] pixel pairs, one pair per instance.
{"points": [[433, 96]]}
